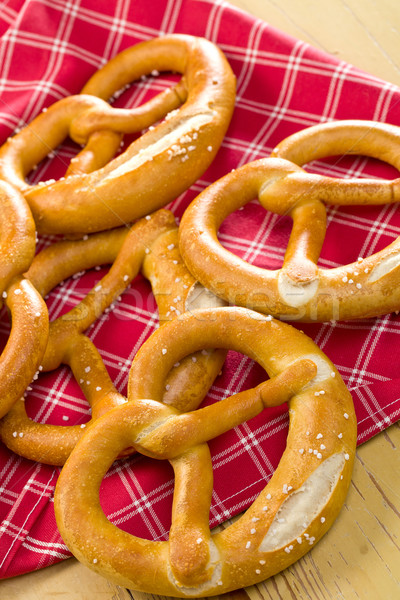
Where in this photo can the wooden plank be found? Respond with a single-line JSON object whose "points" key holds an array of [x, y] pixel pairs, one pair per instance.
{"points": [[365, 33]]}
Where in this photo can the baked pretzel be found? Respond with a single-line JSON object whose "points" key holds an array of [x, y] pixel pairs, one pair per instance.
{"points": [[151, 246], [300, 290], [155, 168], [26, 343], [296, 508]]}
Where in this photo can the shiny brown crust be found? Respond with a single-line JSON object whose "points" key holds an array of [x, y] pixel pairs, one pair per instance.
{"points": [[27, 340], [158, 166], [301, 290], [151, 246], [280, 526]]}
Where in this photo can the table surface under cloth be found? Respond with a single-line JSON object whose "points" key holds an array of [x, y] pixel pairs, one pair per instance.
{"points": [[48, 49]]}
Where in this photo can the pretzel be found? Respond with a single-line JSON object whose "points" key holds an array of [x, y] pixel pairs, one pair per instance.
{"points": [[29, 320], [300, 290], [151, 246], [296, 508], [155, 168]]}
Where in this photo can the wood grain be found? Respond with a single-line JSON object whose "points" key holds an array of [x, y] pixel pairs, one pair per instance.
{"points": [[364, 33], [359, 557]]}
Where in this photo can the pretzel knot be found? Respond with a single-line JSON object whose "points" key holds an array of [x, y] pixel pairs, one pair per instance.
{"points": [[300, 290], [295, 509], [158, 166], [149, 246]]}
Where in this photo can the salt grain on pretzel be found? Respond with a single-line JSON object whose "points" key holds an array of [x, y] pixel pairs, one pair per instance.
{"points": [[156, 167], [301, 290], [143, 247], [290, 515]]}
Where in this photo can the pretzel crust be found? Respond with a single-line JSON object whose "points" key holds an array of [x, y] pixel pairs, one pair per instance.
{"points": [[155, 168], [316, 464], [151, 245], [301, 290], [27, 341]]}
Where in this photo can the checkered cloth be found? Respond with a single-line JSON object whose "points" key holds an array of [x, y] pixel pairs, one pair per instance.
{"points": [[48, 50]]}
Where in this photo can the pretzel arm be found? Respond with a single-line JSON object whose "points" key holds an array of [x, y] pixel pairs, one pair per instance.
{"points": [[91, 374], [132, 120], [366, 138], [190, 429], [333, 191], [64, 259], [42, 442], [190, 536], [307, 236], [124, 269], [299, 275], [100, 148]]}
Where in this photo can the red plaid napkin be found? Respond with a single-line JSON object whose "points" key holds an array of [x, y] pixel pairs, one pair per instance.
{"points": [[48, 49]]}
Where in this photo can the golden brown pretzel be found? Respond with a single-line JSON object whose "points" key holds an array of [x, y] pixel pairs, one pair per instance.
{"points": [[26, 344], [156, 167], [295, 509], [300, 290], [17, 235], [151, 246]]}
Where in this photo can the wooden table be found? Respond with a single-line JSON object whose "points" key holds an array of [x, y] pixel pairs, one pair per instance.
{"points": [[359, 557]]}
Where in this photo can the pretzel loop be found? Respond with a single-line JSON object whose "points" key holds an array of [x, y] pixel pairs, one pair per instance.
{"points": [[27, 340], [17, 235], [301, 290], [24, 151], [291, 513], [354, 137]]}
